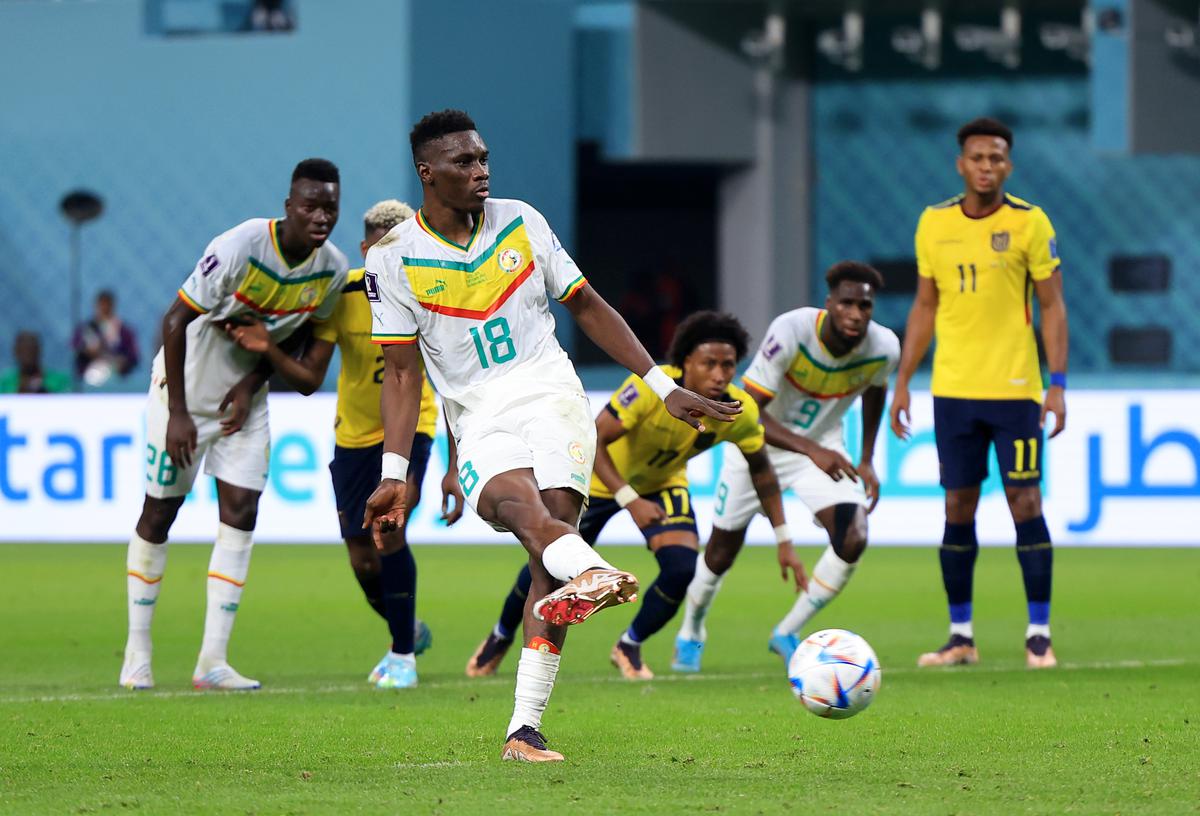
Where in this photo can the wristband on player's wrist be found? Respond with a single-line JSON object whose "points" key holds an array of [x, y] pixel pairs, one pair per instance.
{"points": [[1058, 378], [625, 496], [660, 382], [783, 534], [395, 467]]}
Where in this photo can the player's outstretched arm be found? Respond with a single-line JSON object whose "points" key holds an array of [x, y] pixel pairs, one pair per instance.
{"points": [[766, 486], [608, 330], [399, 407], [918, 334], [181, 430], [873, 400], [1054, 338]]}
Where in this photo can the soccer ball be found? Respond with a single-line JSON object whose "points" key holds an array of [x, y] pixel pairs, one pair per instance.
{"points": [[834, 673]]}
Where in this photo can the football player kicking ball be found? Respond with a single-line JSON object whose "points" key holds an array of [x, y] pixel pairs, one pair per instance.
{"points": [[388, 577], [641, 466], [469, 279], [809, 370], [286, 271]]}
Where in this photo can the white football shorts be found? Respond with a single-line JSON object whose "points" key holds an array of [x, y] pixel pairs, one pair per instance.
{"points": [[239, 459], [736, 501], [553, 434]]}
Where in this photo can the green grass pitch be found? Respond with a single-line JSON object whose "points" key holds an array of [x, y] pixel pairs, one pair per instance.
{"points": [[1115, 730]]}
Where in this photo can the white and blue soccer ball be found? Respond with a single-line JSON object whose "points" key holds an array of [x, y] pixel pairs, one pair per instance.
{"points": [[834, 673]]}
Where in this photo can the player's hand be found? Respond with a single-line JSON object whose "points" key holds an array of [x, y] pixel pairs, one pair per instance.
{"points": [[251, 334], [385, 510], [1056, 403], [238, 401], [788, 560], [690, 407], [181, 438], [834, 464], [452, 490], [646, 513], [899, 411], [870, 483]]}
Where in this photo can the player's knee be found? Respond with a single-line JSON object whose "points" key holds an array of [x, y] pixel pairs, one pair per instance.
{"points": [[1024, 502], [960, 505], [157, 517]]}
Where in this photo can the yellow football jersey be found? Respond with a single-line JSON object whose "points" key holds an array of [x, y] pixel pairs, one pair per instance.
{"points": [[654, 451], [984, 269], [358, 424]]}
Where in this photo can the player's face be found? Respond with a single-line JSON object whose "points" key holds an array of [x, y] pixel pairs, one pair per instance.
{"points": [[456, 168], [709, 369], [312, 210], [984, 164], [850, 306], [27, 352], [372, 238]]}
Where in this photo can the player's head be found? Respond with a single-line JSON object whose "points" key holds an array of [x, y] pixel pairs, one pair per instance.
{"points": [[27, 352], [451, 160], [851, 299], [106, 304], [707, 346], [380, 219], [983, 158], [312, 203]]}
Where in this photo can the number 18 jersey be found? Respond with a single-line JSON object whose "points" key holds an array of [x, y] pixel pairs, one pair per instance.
{"points": [[481, 311]]}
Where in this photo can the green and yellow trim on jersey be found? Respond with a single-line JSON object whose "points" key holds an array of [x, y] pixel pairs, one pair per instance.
{"points": [[267, 293], [812, 377], [572, 289], [273, 228], [394, 339], [186, 298], [749, 383], [478, 288], [442, 239]]}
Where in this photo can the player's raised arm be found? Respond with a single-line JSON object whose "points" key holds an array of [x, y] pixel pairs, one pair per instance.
{"points": [[607, 329]]}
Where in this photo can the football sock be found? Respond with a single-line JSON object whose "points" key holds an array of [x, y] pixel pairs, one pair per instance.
{"points": [[514, 606], [828, 577], [398, 574], [145, 564], [700, 593], [677, 567], [227, 571], [1036, 556], [959, 550], [535, 680], [372, 587], [567, 556]]}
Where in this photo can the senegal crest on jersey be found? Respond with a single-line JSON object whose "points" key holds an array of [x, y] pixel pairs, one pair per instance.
{"points": [[474, 289]]}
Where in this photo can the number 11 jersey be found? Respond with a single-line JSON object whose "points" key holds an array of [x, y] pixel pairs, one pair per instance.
{"points": [[481, 311]]}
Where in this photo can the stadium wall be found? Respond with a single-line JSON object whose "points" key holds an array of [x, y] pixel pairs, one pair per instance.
{"points": [[1126, 472]]}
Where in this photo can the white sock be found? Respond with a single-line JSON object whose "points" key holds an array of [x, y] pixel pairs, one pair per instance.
{"points": [[226, 578], [629, 640], [964, 629], [828, 577], [700, 594], [567, 556], [535, 680], [1035, 629], [145, 564]]}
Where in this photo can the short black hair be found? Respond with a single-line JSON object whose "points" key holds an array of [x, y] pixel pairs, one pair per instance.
{"points": [[853, 271], [985, 126], [317, 170], [106, 294], [438, 124], [707, 327]]}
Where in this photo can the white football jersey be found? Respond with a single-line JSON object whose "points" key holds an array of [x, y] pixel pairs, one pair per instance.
{"points": [[811, 389], [480, 312], [243, 272]]}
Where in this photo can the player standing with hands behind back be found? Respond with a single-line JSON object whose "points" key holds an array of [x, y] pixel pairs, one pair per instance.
{"points": [[469, 278], [980, 256]]}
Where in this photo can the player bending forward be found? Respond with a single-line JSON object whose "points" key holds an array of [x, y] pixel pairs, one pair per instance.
{"points": [[641, 466], [469, 279], [285, 271], [388, 576], [809, 370]]}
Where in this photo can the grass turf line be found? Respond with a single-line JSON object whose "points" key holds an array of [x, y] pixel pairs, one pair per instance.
{"points": [[1117, 732]]}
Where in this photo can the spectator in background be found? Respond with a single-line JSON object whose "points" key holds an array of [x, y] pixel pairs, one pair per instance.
{"points": [[29, 377], [105, 344], [270, 15]]}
